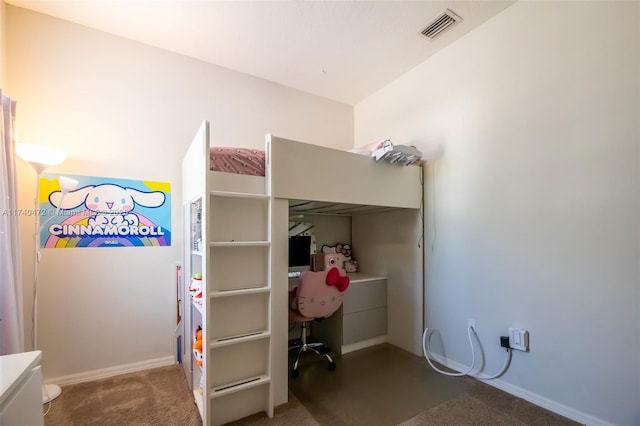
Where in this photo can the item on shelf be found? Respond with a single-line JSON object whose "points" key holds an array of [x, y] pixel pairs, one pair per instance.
{"points": [[201, 386], [326, 261], [351, 265], [197, 347], [197, 244], [398, 154], [195, 289], [340, 248]]}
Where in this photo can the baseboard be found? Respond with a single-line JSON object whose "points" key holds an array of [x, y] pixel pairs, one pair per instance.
{"points": [[534, 398], [104, 373], [364, 344]]}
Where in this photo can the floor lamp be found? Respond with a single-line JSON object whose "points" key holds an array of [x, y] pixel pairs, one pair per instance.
{"points": [[40, 158]]}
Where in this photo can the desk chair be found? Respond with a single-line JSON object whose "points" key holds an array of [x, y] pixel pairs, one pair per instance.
{"points": [[318, 295]]}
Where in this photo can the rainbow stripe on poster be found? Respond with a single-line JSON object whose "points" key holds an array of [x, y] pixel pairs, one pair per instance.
{"points": [[87, 211]]}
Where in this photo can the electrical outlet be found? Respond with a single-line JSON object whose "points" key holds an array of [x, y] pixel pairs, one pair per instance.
{"points": [[519, 339], [471, 323]]}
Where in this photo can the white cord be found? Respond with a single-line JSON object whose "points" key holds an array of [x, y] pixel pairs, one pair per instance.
{"points": [[505, 365], [44, 388], [427, 352]]}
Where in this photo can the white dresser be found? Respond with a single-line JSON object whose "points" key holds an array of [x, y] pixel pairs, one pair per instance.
{"points": [[21, 389], [360, 322], [364, 312]]}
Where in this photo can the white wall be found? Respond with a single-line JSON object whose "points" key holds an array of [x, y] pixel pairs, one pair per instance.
{"points": [[533, 215], [122, 109], [390, 244], [329, 229]]}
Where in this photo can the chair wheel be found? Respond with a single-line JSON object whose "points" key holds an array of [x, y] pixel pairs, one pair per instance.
{"points": [[295, 373], [332, 366]]}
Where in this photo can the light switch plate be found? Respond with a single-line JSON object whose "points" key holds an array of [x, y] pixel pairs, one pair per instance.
{"points": [[519, 339]]}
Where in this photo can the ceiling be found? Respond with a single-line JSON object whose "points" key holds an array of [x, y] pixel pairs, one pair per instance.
{"points": [[341, 50]]}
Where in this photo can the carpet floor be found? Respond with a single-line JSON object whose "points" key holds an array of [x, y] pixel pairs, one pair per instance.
{"points": [[159, 396], [378, 386]]}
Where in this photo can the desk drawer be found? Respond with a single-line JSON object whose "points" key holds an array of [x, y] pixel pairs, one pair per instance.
{"points": [[364, 325], [365, 295]]}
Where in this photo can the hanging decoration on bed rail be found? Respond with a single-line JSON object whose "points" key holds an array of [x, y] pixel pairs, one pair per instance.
{"points": [[103, 212]]}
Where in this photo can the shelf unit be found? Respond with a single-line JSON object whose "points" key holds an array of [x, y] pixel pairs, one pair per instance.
{"points": [[196, 314], [229, 243]]}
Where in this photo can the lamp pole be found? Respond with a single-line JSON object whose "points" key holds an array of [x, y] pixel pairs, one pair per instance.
{"points": [[49, 391], [40, 158], [36, 261]]}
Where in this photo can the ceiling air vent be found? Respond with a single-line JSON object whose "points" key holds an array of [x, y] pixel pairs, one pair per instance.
{"points": [[441, 23]]}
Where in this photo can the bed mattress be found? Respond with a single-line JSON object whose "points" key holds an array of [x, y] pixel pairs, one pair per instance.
{"points": [[243, 161]]}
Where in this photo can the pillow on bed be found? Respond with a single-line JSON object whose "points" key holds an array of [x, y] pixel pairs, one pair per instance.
{"points": [[368, 148]]}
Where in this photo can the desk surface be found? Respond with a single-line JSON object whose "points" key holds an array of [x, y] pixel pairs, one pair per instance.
{"points": [[13, 368], [357, 277], [354, 277]]}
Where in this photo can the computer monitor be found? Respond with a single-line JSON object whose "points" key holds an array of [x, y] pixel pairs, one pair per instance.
{"points": [[299, 252]]}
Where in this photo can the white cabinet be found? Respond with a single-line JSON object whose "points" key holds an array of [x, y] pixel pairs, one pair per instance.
{"points": [[21, 393], [364, 310], [361, 321]]}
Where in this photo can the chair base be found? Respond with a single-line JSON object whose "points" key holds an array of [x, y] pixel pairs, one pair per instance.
{"points": [[306, 347]]}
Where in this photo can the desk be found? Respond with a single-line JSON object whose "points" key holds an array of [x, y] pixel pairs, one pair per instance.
{"points": [[362, 319], [21, 389]]}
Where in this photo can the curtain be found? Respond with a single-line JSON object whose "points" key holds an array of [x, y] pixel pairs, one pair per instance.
{"points": [[11, 319]]}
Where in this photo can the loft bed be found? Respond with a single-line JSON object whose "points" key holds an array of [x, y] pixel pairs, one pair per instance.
{"points": [[296, 178], [302, 171]]}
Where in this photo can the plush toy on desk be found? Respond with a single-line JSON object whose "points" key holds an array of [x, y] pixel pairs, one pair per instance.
{"points": [[343, 249], [348, 264], [326, 261], [197, 347]]}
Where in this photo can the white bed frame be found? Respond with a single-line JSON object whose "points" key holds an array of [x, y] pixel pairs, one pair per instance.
{"points": [[294, 171], [308, 172]]}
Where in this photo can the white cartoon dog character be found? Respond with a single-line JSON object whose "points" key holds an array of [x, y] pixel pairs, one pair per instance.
{"points": [[110, 204]]}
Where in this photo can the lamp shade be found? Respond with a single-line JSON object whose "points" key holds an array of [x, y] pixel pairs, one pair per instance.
{"points": [[39, 156], [67, 184]]}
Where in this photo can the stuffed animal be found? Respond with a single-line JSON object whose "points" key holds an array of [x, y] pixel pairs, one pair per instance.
{"points": [[351, 265], [195, 289], [197, 347], [348, 264], [343, 249]]}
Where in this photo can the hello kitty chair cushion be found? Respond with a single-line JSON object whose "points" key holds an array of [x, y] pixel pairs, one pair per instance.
{"points": [[319, 294]]}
